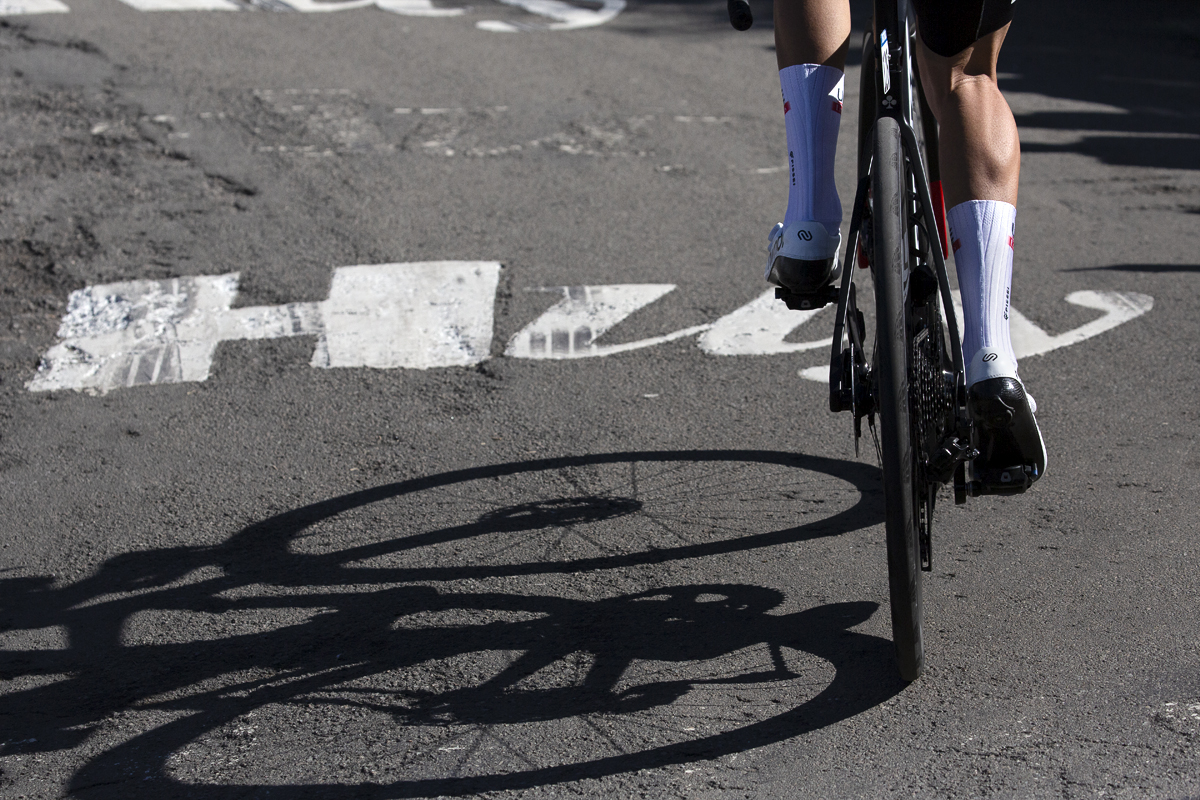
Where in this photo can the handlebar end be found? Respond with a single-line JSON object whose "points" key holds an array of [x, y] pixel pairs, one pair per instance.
{"points": [[740, 16]]}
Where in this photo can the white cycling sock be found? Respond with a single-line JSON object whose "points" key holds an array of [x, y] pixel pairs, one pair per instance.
{"points": [[812, 113], [981, 232]]}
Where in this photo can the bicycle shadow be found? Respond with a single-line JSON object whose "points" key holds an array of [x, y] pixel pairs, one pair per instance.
{"points": [[352, 623]]}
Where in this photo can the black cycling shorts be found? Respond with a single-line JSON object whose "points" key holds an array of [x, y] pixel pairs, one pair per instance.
{"points": [[950, 26]]}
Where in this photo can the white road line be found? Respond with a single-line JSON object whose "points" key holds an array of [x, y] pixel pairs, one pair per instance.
{"points": [[1118, 307], [1180, 711], [423, 315], [417, 315], [182, 5], [818, 374], [418, 8], [759, 328], [570, 327], [564, 16], [311, 7], [1030, 340], [568, 17], [10, 8], [138, 332], [411, 8]]}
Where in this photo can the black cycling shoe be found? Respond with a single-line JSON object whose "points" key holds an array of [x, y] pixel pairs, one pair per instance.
{"points": [[803, 276], [802, 257], [1012, 454]]}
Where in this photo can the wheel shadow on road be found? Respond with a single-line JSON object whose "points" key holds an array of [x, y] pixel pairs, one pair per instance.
{"points": [[274, 624]]}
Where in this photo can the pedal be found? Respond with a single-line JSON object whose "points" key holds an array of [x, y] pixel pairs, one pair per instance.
{"points": [[1003, 480], [807, 301]]}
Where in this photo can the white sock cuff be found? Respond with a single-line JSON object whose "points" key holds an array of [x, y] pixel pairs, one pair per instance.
{"points": [[986, 224], [815, 80]]}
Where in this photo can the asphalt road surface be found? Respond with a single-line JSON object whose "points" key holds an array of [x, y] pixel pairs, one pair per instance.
{"points": [[437, 525]]}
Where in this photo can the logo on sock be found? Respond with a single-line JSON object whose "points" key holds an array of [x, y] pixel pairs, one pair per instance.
{"points": [[786, 106], [837, 107], [805, 235], [990, 357], [957, 244], [1010, 243]]}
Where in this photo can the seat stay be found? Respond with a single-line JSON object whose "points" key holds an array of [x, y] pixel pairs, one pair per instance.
{"points": [[838, 400], [939, 261]]}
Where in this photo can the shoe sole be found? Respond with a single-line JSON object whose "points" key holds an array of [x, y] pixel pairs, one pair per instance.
{"points": [[795, 274]]}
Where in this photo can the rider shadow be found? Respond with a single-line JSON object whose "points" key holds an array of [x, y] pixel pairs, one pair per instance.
{"points": [[369, 626]]}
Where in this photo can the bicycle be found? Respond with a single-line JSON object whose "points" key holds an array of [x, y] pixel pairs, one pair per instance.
{"points": [[914, 377]]}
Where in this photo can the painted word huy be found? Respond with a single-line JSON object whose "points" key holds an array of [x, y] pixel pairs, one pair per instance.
{"points": [[422, 315]]}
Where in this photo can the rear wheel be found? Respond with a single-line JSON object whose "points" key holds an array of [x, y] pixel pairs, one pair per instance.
{"points": [[891, 248]]}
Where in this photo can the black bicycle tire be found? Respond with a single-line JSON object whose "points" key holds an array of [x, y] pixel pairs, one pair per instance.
{"points": [[890, 248]]}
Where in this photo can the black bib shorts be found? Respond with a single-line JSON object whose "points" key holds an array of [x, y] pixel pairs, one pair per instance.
{"points": [[950, 26]]}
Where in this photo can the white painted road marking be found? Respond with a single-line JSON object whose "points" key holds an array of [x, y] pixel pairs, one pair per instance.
{"points": [[567, 17], [411, 8], [564, 16], [419, 316], [10, 8], [1180, 712], [431, 314], [418, 8], [570, 328], [183, 5], [1118, 308], [1030, 340], [758, 328]]}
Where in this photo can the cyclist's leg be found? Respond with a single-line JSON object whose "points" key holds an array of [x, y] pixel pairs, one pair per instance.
{"points": [[980, 166], [811, 40], [981, 161], [978, 149], [812, 32]]}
